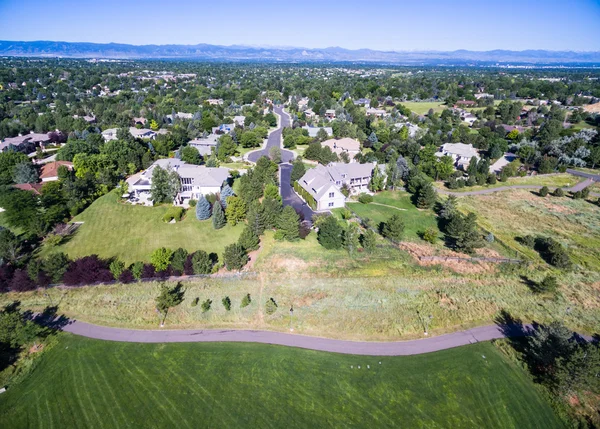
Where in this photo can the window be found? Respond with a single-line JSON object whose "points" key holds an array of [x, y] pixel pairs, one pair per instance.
{"points": [[330, 204], [331, 195]]}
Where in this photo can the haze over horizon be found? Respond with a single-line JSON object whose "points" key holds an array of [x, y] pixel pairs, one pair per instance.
{"points": [[390, 26]]}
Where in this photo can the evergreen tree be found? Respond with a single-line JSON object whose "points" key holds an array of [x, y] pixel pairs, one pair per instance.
{"points": [[330, 233], [235, 257], [248, 239], [201, 262], [298, 170], [226, 192], [256, 217], [351, 237], [369, 240], [448, 208], [165, 185], [218, 219], [235, 211], [271, 208], [426, 196], [393, 229], [288, 224], [178, 260], [202, 208], [377, 180]]}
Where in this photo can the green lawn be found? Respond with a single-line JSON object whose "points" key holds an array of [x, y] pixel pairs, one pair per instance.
{"points": [[415, 220], [422, 107], [84, 383], [132, 233]]}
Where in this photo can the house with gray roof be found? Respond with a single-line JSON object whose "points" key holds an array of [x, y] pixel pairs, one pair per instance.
{"points": [[195, 180], [312, 131], [205, 145], [324, 183], [138, 133], [38, 139], [460, 153]]}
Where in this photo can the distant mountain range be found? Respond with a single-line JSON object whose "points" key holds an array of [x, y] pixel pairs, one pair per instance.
{"points": [[291, 54]]}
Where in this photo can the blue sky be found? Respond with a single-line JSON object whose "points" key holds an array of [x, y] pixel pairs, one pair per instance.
{"points": [[383, 24]]}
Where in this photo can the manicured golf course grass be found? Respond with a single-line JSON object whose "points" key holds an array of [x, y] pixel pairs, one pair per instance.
{"points": [[132, 233], [84, 383]]}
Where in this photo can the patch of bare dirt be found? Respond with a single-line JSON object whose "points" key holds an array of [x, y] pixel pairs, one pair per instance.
{"points": [[36, 348], [417, 250], [592, 108], [289, 264]]}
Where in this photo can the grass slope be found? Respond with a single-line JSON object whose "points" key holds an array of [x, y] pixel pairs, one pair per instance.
{"points": [[84, 383], [550, 180], [132, 233]]}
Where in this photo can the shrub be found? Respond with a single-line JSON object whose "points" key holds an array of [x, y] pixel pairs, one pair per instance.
{"points": [[369, 240], [430, 235], [55, 266], [116, 268], [544, 191], [126, 277], [21, 281], [161, 258], [206, 305], [558, 192], [195, 302], [365, 198], [270, 306], [178, 261], [136, 269], [235, 257], [87, 270], [201, 262], [148, 271], [553, 252], [548, 285], [246, 300], [174, 213], [490, 238], [492, 179], [346, 214], [192, 203], [585, 193], [528, 240], [226, 303]]}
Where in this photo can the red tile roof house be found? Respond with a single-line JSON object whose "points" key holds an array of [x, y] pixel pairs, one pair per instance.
{"points": [[49, 172], [31, 187]]}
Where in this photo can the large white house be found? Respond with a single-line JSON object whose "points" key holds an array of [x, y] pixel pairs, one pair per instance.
{"points": [[460, 153], [142, 133], [324, 184], [346, 144], [195, 180], [205, 145]]}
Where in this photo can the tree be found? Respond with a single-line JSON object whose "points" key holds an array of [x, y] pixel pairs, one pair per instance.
{"points": [[369, 240], [225, 193], [559, 192], [10, 246], [377, 182], [206, 305], [218, 218], [393, 229], [169, 298], [161, 258], [544, 191], [116, 267], [202, 208], [298, 170], [226, 303], [548, 285], [8, 160], [178, 261], [330, 233], [275, 154], [270, 306], [16, 329], [448, 208], [55, 266], [430, 235], [165, 185], [25, 172], [426, 196], [288, 224], [201, 262], [248, 239], [235, 257], [226, 147], [191, 155], [235, 211], [246, 300], [351, 237]]}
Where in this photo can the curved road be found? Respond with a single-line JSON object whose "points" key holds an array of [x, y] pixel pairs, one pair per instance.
{"points": [[399, 348], [274, 140]]}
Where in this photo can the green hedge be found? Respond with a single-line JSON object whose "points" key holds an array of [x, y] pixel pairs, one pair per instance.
{"points": [[305, 195], [174, 213]]}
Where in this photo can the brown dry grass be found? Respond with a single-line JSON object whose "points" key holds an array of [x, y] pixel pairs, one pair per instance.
{"points": [[592, 108], [418, 250]]}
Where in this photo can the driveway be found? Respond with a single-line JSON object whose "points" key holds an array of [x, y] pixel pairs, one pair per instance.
{"points": [[274, 140], [289, 197]]}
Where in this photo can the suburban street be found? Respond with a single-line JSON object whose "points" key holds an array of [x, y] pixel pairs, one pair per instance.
{"points": [[366, 348], [274, 140]]}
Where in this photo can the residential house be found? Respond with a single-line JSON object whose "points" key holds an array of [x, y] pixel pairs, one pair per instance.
{"points": [[330, 114], [215, 101], [139, 121], [90, 119], [239, 120], [179, 115], [195, 180], [503, 161], [362, 102], [309, 114], [223, 129], [312, 131], [205, 145], [49, 171], [346, 144], [461, 153], [412, 128], [324, 184], [37, 139], [380, 113], [36, 188], [141, 133], [469, 118]]}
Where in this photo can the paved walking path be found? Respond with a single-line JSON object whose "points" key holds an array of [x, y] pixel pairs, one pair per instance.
{"points": [[399, 348]]}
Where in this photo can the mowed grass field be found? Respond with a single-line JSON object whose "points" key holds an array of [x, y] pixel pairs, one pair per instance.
{"points": [[422, 107], [132, 233], [388, 203], [85, 383]]}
